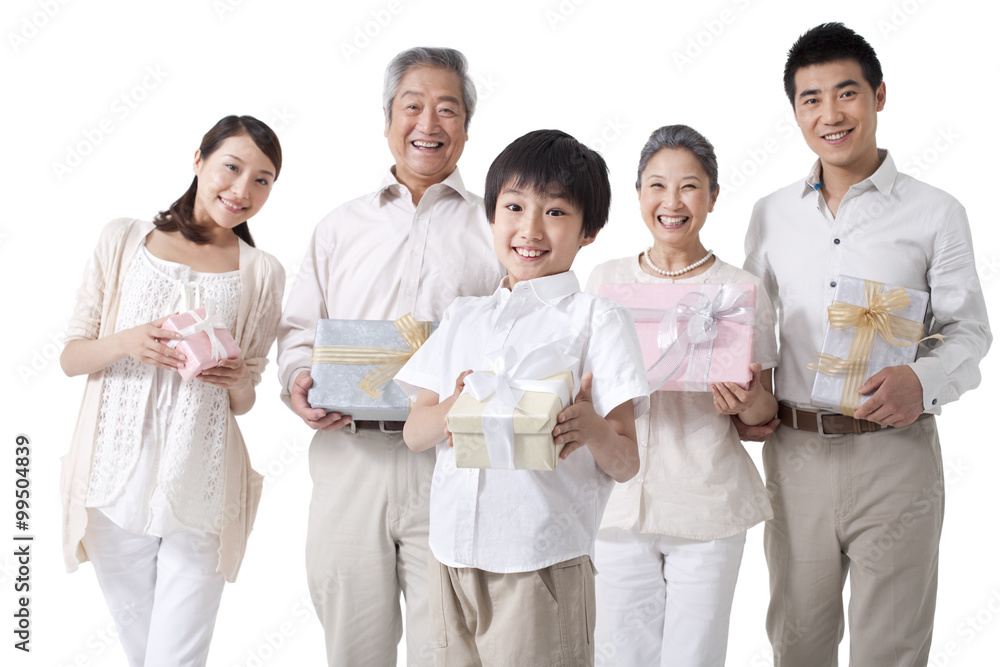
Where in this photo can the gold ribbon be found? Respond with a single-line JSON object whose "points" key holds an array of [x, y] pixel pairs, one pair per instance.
{"points": [[873, 318], [389, 360]]}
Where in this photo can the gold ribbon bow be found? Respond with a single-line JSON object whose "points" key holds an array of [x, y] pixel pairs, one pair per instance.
{"points": [[873, 318], [389, 360]]}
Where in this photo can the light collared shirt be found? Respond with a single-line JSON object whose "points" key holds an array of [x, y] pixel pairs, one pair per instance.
{"points": [[522, 520], [379, 257], [695, 479], [890, 228]]}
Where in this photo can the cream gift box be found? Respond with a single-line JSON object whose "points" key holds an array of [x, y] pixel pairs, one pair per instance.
{"points": [[691, 335], [206, 340], [870, 326], [504, 417], [354, 361]]}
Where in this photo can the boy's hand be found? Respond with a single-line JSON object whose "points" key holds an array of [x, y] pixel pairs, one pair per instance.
{"points": [[459, 387], [579, 424]]}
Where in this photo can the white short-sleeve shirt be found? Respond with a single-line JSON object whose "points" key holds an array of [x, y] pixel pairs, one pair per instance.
{"points": [[520, 520]]}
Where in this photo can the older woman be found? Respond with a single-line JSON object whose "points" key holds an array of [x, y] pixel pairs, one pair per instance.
{"points": [[672, 538]]}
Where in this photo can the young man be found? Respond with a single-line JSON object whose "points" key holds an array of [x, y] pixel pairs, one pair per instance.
{"points": [[840, 485], [512, 575], [412, 246]]}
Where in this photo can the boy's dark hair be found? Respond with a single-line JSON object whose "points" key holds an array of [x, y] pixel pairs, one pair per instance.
{"points": [[826, 43], [544, 159]]}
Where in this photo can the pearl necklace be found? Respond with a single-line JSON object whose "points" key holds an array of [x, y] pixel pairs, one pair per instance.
{"points": [[671, 274]]}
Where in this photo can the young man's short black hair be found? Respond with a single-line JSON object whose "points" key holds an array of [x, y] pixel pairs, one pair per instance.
{"points": [[826, 43], [544, 160]]}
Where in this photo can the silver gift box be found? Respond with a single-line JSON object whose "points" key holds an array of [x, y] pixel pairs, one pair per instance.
{"points": [[336, 387], [827, 389]]}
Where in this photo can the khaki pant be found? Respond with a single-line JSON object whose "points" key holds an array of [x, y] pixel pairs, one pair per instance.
{"points": [[870, 506], [367, 543], [523, 619]]}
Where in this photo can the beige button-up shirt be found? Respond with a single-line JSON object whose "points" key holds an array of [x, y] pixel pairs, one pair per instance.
{"points": [[695, 479], [379, 257]]}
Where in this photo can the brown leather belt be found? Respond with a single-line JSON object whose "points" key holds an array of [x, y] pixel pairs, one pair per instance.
{"points": [[828, 423], [385, 427]]}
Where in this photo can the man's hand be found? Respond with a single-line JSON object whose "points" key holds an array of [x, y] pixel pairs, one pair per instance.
{"points": [[315, 418], [755, 433], [898, 399]]}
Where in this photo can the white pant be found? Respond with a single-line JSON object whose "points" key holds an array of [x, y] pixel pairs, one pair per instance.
{"points": [[163, 593], [664, 600]]}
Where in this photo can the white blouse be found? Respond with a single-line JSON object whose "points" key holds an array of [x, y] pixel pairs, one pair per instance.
{"points": [[695, 479], [158, 458]]}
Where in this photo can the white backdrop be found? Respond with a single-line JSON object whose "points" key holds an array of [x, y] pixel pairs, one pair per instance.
{"points": [[106, 102]]}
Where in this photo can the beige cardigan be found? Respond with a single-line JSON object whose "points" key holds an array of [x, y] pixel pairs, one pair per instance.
{"points": [[262, 283]]}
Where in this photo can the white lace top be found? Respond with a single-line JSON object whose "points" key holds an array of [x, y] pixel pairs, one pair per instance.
{"points": [[158, 459]]}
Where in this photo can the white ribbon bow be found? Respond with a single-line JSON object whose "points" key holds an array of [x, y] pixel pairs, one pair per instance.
{"points": [[688, 331], [512, 377], [212, 321]]}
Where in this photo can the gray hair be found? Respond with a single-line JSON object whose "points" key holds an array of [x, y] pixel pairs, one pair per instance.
{"points": [[448, 59], [681, 136]]}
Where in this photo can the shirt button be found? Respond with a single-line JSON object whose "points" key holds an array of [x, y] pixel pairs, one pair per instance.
{"points": [[934, 402], [642, 443], [409, 292], [833, 283], [639, 479], [836, 241]]}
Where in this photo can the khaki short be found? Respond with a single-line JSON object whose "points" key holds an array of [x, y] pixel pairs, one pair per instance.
{"points": [[522, 619]]}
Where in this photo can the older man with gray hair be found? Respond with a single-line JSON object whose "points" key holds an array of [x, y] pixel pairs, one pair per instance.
{"points": [[411, 246]]}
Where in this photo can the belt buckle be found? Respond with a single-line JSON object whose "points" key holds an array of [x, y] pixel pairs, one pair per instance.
{"points": [[352, 427], [819, 425], [381, 427]]}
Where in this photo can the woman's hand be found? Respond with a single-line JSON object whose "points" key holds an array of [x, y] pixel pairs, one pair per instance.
{"points": [[142, 343], [232, 375], [229, 374], [754, 405]]}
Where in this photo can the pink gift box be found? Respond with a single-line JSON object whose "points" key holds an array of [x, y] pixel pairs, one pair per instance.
{"points": [[698, 334], [197, 346]]}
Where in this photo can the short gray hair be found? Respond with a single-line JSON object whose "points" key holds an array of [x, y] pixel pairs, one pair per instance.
{"points": [[423, 56], [681, 136]]}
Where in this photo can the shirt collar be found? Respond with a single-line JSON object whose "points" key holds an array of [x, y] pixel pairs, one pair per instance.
{"points": [[883, 178], [454, 182], [548, 289]]}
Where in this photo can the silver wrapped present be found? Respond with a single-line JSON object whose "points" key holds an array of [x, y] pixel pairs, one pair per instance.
{"points": [[354, 362]]}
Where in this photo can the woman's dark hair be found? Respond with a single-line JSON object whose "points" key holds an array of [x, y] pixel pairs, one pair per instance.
{"points": [[180, 215]]}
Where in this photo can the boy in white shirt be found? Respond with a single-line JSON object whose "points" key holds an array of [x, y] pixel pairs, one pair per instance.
{"points": [[511, 577]]}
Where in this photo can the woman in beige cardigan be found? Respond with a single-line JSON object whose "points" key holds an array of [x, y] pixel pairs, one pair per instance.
{"points": [[157, 487]]}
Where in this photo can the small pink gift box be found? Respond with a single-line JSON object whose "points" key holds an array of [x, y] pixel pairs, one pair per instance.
{"points": [[691, 335], [206, 341]]}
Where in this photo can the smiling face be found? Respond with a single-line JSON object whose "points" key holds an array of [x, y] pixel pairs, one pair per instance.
{"points": [[675, 198], [427, 132], [836, 109], [233, 183], [536, 234]]}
